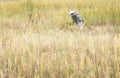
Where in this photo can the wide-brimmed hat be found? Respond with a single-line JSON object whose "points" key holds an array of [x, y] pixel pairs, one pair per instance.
{"points": [[71, 12]]}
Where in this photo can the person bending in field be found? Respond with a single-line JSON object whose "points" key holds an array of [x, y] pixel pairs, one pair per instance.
{"points": [[77, 19]]}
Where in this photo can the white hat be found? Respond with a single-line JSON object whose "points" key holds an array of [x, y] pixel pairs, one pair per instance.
{"points": [[71, 12]]}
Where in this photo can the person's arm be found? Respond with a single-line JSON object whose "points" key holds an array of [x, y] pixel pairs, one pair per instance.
{"points": [[80, 18]]}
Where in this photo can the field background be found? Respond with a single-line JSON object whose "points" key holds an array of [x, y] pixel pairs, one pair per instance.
{"points": [[37, 40]]}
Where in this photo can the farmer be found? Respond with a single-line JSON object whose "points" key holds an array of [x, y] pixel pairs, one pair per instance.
{"points": [[77, 19]]}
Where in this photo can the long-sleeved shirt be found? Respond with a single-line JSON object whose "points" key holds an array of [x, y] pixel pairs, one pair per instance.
{"points": [[77, 18]]}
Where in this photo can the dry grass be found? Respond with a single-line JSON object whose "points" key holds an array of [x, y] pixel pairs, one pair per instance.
{"points": [[38, 42]]}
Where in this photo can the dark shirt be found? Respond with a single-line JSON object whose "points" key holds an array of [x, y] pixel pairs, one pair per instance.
{"points": [[77, 18]]}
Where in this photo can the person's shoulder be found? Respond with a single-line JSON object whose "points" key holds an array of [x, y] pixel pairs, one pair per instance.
{"points": [[78, 15]]}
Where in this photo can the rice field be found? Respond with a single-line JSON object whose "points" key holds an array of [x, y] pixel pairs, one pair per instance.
{"points": [[37, 39]]}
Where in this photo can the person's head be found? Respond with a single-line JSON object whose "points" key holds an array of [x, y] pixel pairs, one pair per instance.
{"points": [[72, 12]]}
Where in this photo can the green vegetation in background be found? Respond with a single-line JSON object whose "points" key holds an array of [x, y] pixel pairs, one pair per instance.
{"points": [[95, 12], [36, 40]]}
